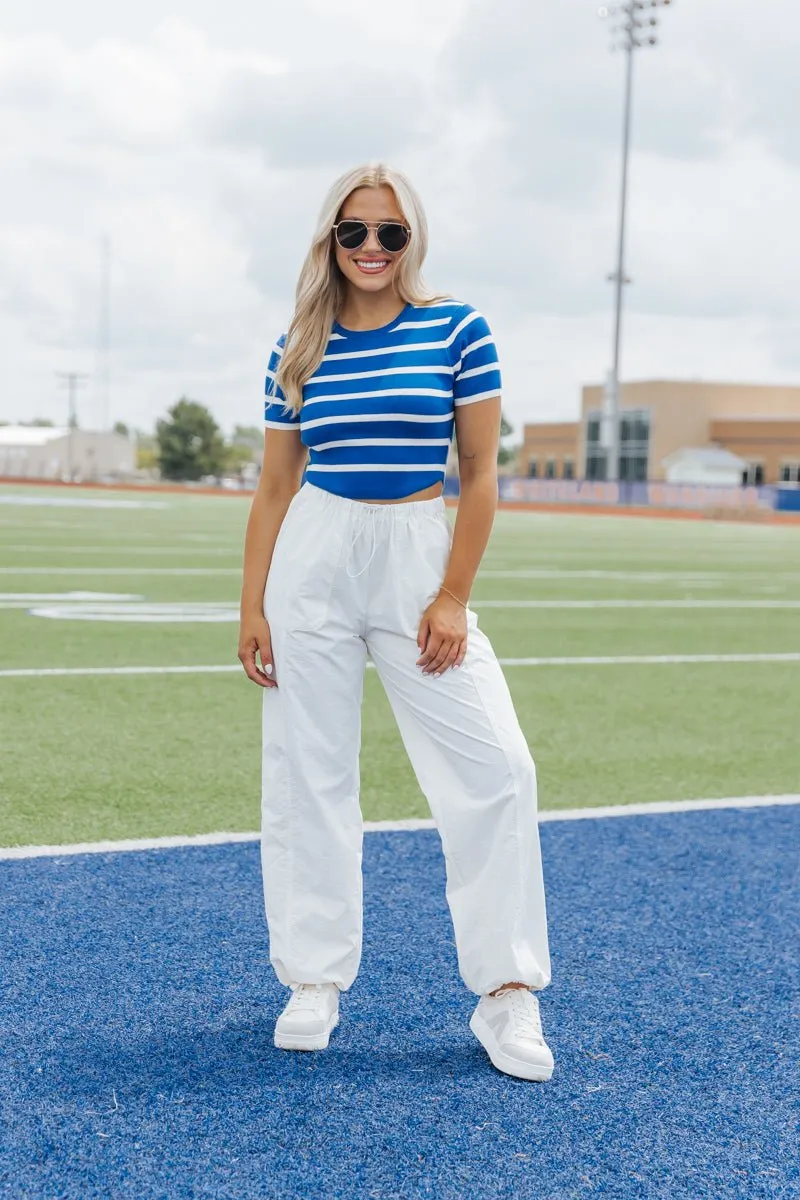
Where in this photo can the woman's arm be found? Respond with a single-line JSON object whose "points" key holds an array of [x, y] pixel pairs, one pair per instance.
{"points": [[443, 630], [281, 473]]}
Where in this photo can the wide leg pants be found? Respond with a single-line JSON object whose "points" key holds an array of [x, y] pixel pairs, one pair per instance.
{"points": [[349, 579]]}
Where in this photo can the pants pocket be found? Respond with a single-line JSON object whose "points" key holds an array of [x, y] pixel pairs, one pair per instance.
{"points": [[303, 570]]}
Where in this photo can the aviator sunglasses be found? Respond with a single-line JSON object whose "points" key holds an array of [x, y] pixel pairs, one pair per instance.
{"points": [[391, 234]]}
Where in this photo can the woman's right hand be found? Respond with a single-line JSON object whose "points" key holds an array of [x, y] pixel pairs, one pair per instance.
{"points": [[254, 637]]}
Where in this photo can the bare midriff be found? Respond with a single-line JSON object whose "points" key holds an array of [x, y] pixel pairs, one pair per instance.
{"points": [[429, 493]]}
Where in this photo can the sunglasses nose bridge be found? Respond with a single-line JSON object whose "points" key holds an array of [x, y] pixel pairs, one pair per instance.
{"points": [[371, 243]]}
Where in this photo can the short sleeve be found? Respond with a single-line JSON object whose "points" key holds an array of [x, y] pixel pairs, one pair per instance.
{"points": [[476, 374], [276, 415]]}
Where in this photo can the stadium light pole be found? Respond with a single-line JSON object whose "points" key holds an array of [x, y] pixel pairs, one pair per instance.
{"points": [[636, 31]]}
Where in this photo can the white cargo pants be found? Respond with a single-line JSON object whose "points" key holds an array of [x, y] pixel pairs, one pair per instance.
{"points": [[349, 579]]}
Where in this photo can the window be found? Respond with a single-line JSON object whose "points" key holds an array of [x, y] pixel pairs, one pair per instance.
{"points": [[753, 474], [533, 468], [634, 446], [596, 466], [569, 468], [790, 473], [550, 468]]}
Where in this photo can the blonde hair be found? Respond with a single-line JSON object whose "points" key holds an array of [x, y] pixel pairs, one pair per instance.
{"points": [[321, 286]]}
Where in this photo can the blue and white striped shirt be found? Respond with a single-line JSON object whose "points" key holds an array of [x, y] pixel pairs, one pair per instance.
{"points": [[378, 414]]}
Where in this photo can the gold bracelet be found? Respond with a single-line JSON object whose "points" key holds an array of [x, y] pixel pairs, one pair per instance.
{"points": [[455, 597]]}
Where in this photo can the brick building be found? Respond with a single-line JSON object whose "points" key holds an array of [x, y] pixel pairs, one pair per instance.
{"points": [[758, 423]]}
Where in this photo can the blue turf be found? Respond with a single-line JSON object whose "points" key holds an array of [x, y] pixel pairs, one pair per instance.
{"points": [[145, 976]]}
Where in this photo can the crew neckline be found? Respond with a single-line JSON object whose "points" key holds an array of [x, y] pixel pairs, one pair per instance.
{"points": [[366, 333]]}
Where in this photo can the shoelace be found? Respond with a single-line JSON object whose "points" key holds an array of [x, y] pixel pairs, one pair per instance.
{"points": [[306, 995], [525, 1011]]}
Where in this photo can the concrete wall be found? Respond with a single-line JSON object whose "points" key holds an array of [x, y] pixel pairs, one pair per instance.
{"points": [[81, 455]]}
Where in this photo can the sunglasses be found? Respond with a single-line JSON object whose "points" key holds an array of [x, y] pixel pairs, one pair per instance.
{"points": [[391, 234]]}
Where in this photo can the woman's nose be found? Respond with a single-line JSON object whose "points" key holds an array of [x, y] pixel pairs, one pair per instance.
{"points": [[372, 245]]}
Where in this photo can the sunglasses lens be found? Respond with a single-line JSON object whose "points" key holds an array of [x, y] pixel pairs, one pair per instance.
{"points": [[393, 236], [351, 234]]}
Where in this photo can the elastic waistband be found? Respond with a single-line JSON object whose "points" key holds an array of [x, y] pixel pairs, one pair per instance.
{"points": [[399, 509]]}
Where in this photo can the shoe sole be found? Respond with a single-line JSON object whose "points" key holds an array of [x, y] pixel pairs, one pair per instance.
{"points": [[509, 1066], [307, 1041]]}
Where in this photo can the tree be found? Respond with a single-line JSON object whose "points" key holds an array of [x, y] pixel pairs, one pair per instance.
{"points": [[190, 444], [505, 453], [121, 428]]}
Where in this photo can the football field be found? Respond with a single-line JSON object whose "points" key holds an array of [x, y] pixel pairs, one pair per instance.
{"points": [[650, 661]]}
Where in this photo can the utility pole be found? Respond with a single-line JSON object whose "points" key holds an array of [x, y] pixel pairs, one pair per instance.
{"points": [[636, 30], [104, 332], [71, 380]]}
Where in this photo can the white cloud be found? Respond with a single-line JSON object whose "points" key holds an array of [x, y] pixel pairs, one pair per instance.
{"points": [[201, 140]]}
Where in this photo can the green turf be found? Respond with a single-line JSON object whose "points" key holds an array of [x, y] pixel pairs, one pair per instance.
{"points": [[93, 757]]}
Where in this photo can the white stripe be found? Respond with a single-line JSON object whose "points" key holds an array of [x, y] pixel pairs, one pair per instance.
{"points": [[621, 660], [178, 841], [463, 400], [287, 426], [382, 442], [710, 604], [382, 394], [349, 418], [468, 319], [382, 374], [412, 348], [435, 468], [492, 366], [422, 324], [481, 342]]}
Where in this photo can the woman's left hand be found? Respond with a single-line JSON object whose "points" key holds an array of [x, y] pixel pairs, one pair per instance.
{"points": [[442, 636]]}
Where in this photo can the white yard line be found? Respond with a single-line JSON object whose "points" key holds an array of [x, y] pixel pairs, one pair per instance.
{"points": [[625, 603], [172, 551], [621, 660], [226, 839], [132, 570], [677, 576]]}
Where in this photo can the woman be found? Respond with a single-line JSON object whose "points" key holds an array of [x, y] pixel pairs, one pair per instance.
{"points": [[348, 552]]}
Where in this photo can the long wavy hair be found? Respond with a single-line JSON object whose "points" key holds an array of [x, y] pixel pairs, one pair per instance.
{"points": [[321, 286]]}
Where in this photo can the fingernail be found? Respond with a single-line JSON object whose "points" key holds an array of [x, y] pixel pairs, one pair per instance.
{"points": [[268, 669]]}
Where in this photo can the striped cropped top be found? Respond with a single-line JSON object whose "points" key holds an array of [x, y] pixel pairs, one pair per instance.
{"points": [[378, 414]]}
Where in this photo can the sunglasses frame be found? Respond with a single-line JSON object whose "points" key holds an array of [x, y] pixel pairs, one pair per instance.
{"points": [[377, 226]]}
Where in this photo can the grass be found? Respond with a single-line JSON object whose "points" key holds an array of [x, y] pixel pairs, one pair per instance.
{"points": [[94, 757]]}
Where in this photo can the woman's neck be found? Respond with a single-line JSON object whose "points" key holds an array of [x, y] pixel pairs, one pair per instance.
{"points": [[362, 311]]}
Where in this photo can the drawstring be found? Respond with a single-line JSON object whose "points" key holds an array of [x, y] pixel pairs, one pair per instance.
{"points": [[350, 575]]}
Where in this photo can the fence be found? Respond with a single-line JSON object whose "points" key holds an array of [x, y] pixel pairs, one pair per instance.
{"points": [[701, 498]]}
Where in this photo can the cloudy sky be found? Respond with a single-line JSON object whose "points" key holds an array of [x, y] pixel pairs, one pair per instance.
{"points": [[200, 137]]}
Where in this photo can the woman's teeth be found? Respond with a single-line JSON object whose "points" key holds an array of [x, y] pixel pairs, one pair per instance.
{"points": [[371, 264]]}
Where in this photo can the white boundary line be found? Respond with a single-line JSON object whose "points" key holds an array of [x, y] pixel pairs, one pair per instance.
{"points": [[622, 660], [412, 824]]}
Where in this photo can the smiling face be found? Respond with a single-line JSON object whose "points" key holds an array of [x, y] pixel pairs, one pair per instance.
{"points": [[370, 268]]}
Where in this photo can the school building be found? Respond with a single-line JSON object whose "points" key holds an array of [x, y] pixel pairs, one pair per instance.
{"points": [[686, 432]]}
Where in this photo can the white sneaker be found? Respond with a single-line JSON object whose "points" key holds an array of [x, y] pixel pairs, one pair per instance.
{"points": [[309, 1018], [509, 1028]]}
